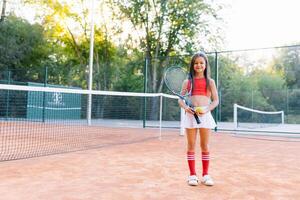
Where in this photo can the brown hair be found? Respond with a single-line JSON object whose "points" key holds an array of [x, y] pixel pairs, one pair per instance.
{"points": [[206, 71]]}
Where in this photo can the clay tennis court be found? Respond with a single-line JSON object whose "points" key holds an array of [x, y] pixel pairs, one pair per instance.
{"points": [[242, 167]]}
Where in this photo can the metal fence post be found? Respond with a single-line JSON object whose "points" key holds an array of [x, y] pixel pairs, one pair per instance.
{"points": [[216, 80], [8, 94], [145, 91], [44, 93]]}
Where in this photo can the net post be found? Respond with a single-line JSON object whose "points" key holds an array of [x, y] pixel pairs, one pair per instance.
{"points": [[287, 104], [217, 84], [235, 116], [282, 117], [181, 122]]}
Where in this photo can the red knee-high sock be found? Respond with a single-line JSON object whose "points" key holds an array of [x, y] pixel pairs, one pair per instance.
{"points": [[205, 163], [191, 162]]}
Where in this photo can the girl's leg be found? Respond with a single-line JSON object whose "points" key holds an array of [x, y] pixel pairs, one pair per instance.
{"points": [[191, 135], [204, 144], [204, 137]]}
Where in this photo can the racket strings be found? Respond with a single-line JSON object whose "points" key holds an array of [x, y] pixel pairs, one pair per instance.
{"points": [[174, 79]]}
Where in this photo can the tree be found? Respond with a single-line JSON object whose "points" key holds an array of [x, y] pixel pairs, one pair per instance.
{"points": [[168, 27], [273, 89], [288, 63], [22, 49], [256, 89], [68, 29], [3, 10]]}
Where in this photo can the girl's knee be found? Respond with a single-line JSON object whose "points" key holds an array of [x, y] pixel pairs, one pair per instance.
{"points": [[204, 147], [191, 147]]}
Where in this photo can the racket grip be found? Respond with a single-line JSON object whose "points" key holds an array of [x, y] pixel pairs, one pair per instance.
{"points": [[197, 118]]}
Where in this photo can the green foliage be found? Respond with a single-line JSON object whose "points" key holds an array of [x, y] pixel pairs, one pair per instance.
{"points": [[272, 87], [130, 77], [67, 30], [22, 49], [129, 82], [287, 65], [288, 62], [165, 29], [169, 27], [260, 89]]}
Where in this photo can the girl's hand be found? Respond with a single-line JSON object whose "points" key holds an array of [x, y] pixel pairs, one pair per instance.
{"points": [[189, 110], [200, 110]]}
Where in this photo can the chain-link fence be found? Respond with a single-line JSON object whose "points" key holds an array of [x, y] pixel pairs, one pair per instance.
{"points": [[265, 79]]}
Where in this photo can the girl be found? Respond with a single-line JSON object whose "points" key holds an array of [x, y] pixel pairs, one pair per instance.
{"points": [[203, 91]]}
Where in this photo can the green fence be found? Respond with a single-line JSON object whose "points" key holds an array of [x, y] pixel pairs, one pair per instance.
{"points": [[266, 79]]}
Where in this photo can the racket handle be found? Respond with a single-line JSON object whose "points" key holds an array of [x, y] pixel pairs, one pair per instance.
{"points": [[197, 118]]}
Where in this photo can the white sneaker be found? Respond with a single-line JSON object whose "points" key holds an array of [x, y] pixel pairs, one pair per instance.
{"points": [[207, 180], [193, 180]]}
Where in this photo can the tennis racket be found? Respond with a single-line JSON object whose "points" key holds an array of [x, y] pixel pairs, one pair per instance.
{"points": [[174, 78]]}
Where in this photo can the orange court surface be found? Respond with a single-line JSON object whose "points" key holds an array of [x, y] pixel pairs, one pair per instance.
{"points": [[242, 167]]}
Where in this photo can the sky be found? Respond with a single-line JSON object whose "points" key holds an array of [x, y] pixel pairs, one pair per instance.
{"points": [[261, 23]]}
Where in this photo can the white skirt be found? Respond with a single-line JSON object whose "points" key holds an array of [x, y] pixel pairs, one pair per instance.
{"points": [[206, 121]]}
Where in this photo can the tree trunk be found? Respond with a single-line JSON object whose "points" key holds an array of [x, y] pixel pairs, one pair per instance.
{"points": [[3, 10], [99, 101]]}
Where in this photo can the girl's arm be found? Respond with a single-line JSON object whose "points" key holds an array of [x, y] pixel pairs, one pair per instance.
{"points": [[214, 95], [183, 92]]}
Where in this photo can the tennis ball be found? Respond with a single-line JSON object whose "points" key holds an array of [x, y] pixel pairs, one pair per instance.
{"points": [[199, 110]]}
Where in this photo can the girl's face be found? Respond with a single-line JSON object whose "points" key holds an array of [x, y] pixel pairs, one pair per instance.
{"points": [[199, 65]]}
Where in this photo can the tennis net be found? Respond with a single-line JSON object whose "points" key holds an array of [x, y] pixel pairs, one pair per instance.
{"points": [[248, 118], [38, 121]]}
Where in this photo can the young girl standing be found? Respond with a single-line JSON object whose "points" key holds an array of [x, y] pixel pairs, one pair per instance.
{"points": [[204, 98]]}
